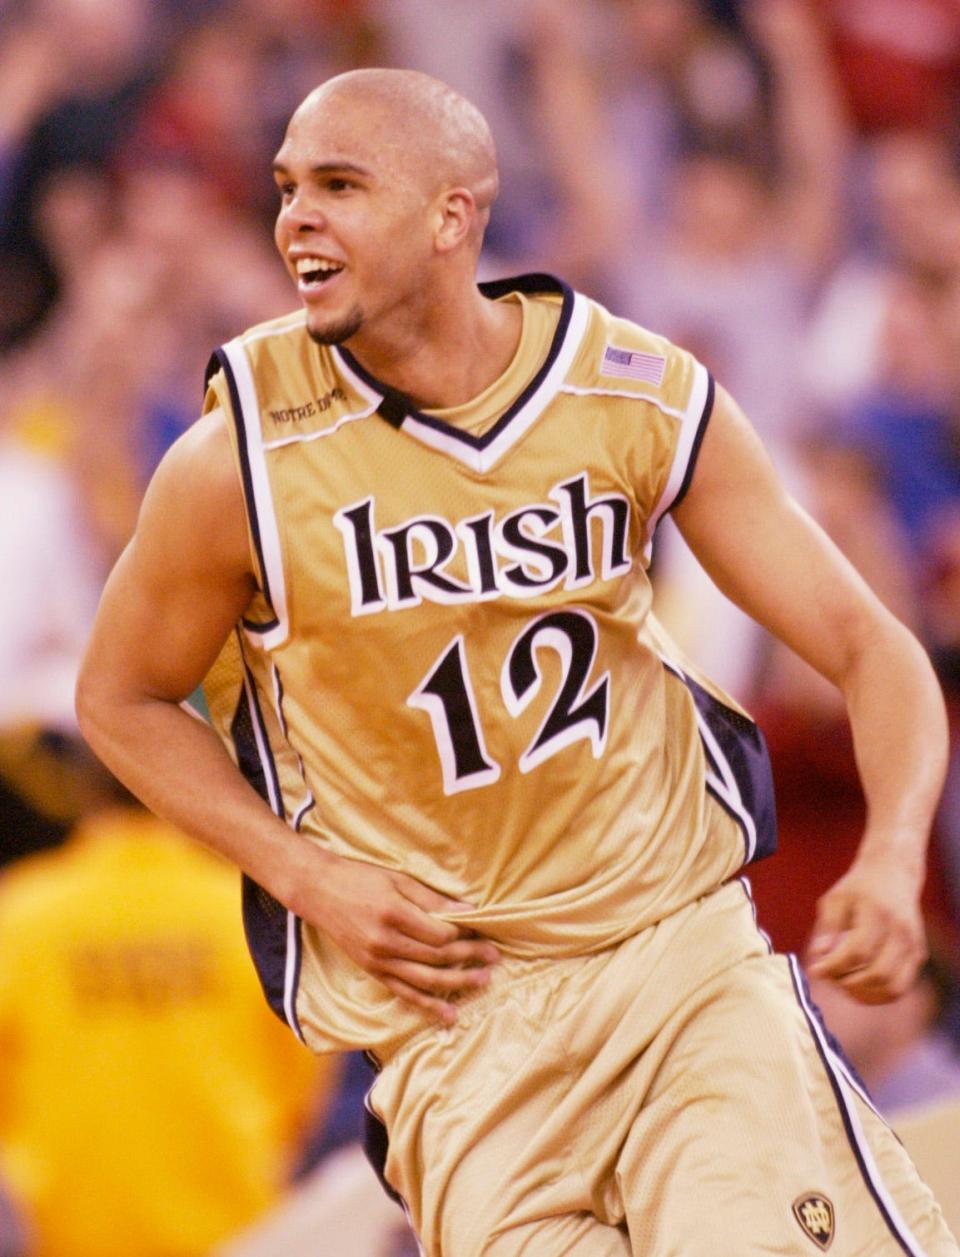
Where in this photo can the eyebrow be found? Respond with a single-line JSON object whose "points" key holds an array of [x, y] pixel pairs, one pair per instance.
{"points": [[324, 168]]}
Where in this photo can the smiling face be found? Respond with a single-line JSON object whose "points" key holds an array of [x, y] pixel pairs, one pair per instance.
{"points": [[369, 204], [352, 228]]}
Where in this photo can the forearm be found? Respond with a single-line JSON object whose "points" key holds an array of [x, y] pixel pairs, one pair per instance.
{"points": [[180, 770], [900, 738]]}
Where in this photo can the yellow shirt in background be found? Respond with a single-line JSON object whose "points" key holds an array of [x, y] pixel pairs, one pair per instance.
{"points": [[149, 1101]]}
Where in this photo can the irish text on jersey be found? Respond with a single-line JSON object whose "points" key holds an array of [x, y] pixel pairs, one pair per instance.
{"points": [[524, 553]]}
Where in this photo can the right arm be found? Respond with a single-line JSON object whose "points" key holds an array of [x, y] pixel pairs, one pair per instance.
{"points": [[174, 596]]}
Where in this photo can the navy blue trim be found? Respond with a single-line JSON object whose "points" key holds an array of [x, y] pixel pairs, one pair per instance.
{"points": [[223, 363], [395, 407], [376, 1144], [304, 813], [213, 366], [280, 698], [697, 442], [375, 1140], [734, 816], [745, 750], [806, 1002], [264, 917]]}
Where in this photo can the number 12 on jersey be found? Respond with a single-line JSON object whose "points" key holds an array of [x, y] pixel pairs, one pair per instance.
{"points": [[577, 711]]}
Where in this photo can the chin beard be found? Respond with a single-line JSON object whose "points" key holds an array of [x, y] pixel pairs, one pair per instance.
{"points": [[337, 333]]}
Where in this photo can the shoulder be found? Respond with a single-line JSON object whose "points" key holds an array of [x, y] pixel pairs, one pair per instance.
{"points": [[625, 359], [201, 459], [195, 499]]}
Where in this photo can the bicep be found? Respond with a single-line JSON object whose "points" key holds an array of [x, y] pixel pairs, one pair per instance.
{"points": [[182, 582], [767, 554]]}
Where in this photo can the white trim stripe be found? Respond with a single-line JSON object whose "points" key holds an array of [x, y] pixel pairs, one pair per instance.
{"points": [[748, 891], [302, 810], [249, 420], [402, 1202], [845, 1091], [309, 801], [690, 420], [633, 395], [301, 437], [724, 786], [259, 733], [357, 381], [482, 460], [290, 976], [292, 950]]}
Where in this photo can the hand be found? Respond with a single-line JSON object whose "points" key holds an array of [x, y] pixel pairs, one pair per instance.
{"points": [[868, 936], [385, 922]]}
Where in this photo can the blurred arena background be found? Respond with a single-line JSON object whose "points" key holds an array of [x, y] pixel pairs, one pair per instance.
{"points": [[773, 183]]}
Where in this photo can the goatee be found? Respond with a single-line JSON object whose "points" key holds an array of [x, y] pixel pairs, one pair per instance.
{"points": [[337, 333]]}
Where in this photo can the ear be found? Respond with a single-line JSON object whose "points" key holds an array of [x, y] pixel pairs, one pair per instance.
{"points": [[455, 212]]}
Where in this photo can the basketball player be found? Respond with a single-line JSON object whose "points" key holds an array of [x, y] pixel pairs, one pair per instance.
{"points": [[491, 821]]}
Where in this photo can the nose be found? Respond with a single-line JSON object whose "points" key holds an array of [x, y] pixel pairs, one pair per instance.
{"points": [[300, 215]]}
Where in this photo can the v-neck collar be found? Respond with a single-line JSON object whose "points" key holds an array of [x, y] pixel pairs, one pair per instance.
{"points": [[482, 452]]}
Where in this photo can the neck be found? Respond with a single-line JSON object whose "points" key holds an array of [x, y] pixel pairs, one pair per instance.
{"points": [[449, 353]]}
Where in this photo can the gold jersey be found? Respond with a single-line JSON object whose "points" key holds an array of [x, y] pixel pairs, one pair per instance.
{"points": [[451, 668]]}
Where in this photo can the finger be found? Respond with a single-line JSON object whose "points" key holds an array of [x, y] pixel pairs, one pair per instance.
{"points": [[406, 919], [470, 952], [857, 946], [419, 919], [868, 990], [427, 899], [833, 919], [851, 954], [460, 953], [889, 975], [430, 980], [439, 1009]]}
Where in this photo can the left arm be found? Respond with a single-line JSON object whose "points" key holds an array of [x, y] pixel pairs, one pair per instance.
{"points": [[767, 555]]}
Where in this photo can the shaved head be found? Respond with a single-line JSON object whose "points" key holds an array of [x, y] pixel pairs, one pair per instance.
{"points": [[386, 179], [426, 130]]}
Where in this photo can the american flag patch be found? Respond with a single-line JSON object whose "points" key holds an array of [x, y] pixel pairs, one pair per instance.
{"points": [[632, 365]]}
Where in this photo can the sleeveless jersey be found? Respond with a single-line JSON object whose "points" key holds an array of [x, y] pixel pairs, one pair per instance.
{"points": [[451, 668]]}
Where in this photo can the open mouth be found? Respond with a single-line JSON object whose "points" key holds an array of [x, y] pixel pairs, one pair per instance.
{"points": [[314, 272]]}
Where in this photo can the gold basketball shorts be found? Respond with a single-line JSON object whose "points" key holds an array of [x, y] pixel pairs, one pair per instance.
{"points": [[675, 1096]]}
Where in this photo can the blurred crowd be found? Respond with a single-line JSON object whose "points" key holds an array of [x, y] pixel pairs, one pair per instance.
{"points": [[774, 184]]}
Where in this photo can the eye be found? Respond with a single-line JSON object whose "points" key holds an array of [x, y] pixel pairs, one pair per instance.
{"points": [[337, 183], [286, 189]]}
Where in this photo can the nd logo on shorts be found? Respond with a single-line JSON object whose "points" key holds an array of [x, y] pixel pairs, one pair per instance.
{"points": [[815, 1215]]}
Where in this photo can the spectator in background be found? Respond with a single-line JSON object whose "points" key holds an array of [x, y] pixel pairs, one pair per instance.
{"points": [[197, 113], [906, 229], [71, 73], [899, 61], [729, 196], [51, 576], [149, 1101], [631, 132]]}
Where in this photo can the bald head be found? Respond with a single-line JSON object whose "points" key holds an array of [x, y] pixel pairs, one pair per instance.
{"points": [[386, 178], [424, 128]]}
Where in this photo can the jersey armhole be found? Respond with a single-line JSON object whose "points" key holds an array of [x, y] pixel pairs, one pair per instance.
{"points": [[238, 398], [693, 427]]}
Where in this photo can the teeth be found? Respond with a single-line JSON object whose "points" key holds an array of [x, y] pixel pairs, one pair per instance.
{"points": [[306, 265]]}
